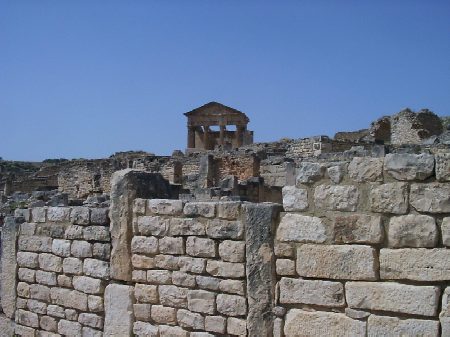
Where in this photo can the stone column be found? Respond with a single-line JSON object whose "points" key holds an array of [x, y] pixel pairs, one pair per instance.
{"points": [[191, 137], [9, 266], [206, 137], [240, 135], [222, 134]]}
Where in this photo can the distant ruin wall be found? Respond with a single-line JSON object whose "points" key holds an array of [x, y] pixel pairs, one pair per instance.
{"points": [[360, 248]]}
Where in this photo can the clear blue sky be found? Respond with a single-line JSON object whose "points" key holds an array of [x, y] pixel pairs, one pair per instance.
{"points": [[89, 78]]}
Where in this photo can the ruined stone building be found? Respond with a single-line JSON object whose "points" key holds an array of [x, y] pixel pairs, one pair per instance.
{"points": [[343, 236]]}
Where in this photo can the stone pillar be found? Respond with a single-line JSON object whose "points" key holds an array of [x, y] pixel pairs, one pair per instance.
{"points": [[206, 137], [222, 134], [206, 171], [9, 266], [119, 316], [191, 137], [260, 220], [177, 172], [127, 185], [240, 135]]}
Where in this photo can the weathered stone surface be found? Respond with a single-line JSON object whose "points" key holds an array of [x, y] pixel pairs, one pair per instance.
{"points": [[38, 214], [294, 198], [172, 331], [285, 267], [159, 276], [187, 319], [301, 228], [74, 232], [192, 264], [24, 213], [72, 265], [144, 245], [95, 303], [445, 230], [444, 316], [39, 292], [26, 275], [48, 323], [225, 269], [24, 331], [27, 318], [118, 310], [169, 262], [204, 209], [142, 312], [356, 314], [318, 292], [55, 311], [181, 226], [364, 169], [208, 283], [69, 298], [232, 287], [395, 297], [27, 260], [283, 250], [65, 281], [201, 301], [336, 197], [173, 296], [152, 225], [309, 173], [100, 216], [50, 262], [92, 320], [236, 326], [61, 247], [170, 245], [27, 228], [431, 198], [45, 277], [412, 231], [232, 251], [200, 247], [347, 262], [442, 166], [81, 249], [96, 233], [35, 243], [223, 229], [389, 198], [142, 261], [126, 186], [88, 285], [336, 173], [6, 326], [164, 315], [358, 228], [68, 328], [89, 332], [101, 250], [215, 324], [228, 210], [80, 215], [418, 264], [96, 268], [405, 166], [165, 206], [183, 279], [142, 329], [145, 293], [58, 214], [393, 326]]}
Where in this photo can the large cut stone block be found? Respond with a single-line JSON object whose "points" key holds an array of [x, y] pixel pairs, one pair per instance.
{"points": [[412, 231], [415, 264], [301, 228], [431, 198], [358, 228], [389, 198], [118, 310], [395, 297], [442, 166], [406, 166], [393, 326], [301, 323], [363, 169], [347, 262], [336, 197], [294, 198]]}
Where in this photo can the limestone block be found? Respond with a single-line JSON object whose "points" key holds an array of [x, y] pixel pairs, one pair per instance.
{"points": [[200, 247], [442, 167], [24, 213], [55, 311], [412, 231], [23, 289], [172, 331], [24, 331], [61, 247], [232, 251], [27, 318], [187, 319], [170, 245], [225, 269], [21, 303], [69, 298], [201, 301], [278, 326], [173, 296], [201, 334], [418, 264], [445, 230], [101, 250], [444, 315], [229, 210], [152, 225], [65, 281], [395, 297], [96, 268], [50, 262], [318, 323], [142, 312], [46, 278], [37, 307], [295, 199], [309, 173], [48, 323], [223, 229], [169, 262], [389, 198], [69, 328], [95, 303], [336, 197], [183, 279], [74, 232], [208, 283], [356, 314], [183, 226], [144, 245], [336, 173], [358, 228], [236, 326], [142, 261], [142, 329], [92, 320], [35, 243], [406, 166], [80, 215], [317, 292], [38, 214], [301, 228], [89, 332], [100, 216], [159, 276], [81, 249], [431, 198], [192, 264], [347, 262], [231, 305], [118, 310], [96, 233], [58, 214], [88, 285], [72, 265], [232, 287], [165, 206], [164, 315], [27, 228], [366, 169], [285, 267], [393, 326], [204, 209], [283, 250], [215, 324], [139, 206], [26, 275], [28, 260]]}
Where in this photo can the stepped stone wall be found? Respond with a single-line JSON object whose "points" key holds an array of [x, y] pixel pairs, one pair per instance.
{"points": [[358, 247]]}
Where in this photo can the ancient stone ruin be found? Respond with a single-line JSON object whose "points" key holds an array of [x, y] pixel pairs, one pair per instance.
{"points": [[343, 236]]}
